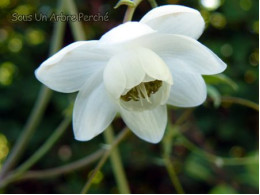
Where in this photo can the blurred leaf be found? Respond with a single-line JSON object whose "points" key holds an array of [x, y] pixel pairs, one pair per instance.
{"points": [[220, 79], [196, 168], [251, 174], [215, 95], [223, 189]]}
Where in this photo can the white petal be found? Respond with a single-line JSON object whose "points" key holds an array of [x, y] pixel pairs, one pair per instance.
{"points": [[183, 53], [153, 65], [188, 90], [125, 32], [67, 70], [129, 68], [148, 125], [121, 73], [175, 19], [93, 112]]}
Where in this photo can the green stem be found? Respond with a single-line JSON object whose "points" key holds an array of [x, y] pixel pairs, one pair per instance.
{"points": [[153, 3], [241, 101], [39, 107], [102, 161], [167, 145], [130, 11], [38, 154], [54, 172], [116, 162], [218, 160], [76, 26], [173, 175], [28, 131]]}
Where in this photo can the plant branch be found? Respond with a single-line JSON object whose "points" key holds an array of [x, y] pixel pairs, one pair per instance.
{"points": [[167, 145], [102, 161], [54, 172], [240, 101], [153, 3], [130, 11], [34, 119], [38, 154], [217, 160], [76, 26], [116, 162], [173, 175]]}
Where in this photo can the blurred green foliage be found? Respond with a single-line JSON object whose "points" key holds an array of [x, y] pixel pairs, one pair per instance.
{"points": [[232, 30]]}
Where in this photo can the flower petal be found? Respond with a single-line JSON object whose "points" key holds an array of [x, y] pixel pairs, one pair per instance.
{"points": [[175, 19], [153, 65], [125, 32], [129, 68], [148, 125], [67, 70], [188, 90], [93, 111], [122, 72], [183, 53]]}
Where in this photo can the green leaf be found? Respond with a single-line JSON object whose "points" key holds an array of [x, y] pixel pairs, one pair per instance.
{"points": [[223, 189], [250, 176], [197, 168], [220, 79], [215, 95]]}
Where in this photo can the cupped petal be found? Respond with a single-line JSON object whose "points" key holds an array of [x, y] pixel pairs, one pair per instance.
{"points": [[125, 32], [93, 111], [122, 72], [189, 89], [131, 67], [183, 53], [67, 70], [149, 125], [175, 19], [153, 65]]}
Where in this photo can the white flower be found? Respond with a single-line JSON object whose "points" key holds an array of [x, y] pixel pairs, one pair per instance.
{"points": [[135, 69]]}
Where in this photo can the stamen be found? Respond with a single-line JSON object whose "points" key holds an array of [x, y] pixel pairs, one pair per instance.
{"points": [[139, 94], [142, 91]]}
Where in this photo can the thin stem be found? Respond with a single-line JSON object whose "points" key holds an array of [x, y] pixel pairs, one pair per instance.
{"points": [[39, 106], [38, 154], [218, 160], [116, 162], [54, 172], [130, 11], [153, 3], [241, 101], [76, 26], [167, 143], [32, 123], [173, 175], [102, 161]]}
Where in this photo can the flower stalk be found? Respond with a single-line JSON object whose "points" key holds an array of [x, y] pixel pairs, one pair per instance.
{"points": [[116, 162], [130, 11], [102, 161], [76, 26], [153, 3]]}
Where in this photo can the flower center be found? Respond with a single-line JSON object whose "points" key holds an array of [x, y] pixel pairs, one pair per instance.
{"points": [[142, 91]]}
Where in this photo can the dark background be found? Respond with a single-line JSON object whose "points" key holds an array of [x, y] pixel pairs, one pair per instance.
{"points": [[228, 130]]}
